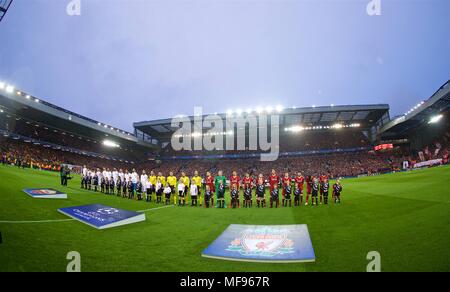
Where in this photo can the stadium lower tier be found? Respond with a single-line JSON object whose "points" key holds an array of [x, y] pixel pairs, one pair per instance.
{"points": [[333, 165], [37, 156]]}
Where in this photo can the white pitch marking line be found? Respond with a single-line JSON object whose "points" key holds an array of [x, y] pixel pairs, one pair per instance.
{"points": [[65, 220], [37, 221], [157, 208]]}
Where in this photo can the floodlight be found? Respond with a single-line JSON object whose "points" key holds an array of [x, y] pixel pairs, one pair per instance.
{"points": [[435, 119], [109, 143], [9, 89]]}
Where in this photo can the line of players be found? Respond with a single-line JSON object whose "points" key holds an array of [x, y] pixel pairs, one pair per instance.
{"points": [[156, 187]]}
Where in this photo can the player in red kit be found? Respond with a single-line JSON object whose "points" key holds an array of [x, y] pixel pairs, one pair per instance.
{"points": [[236, 180], [209, 181], [309, 181], [247, 181], [299, 181], [274, 180], [286, 183]]}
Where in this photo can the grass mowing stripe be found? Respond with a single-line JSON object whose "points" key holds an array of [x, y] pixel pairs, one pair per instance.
{"points": [[65, 220]]}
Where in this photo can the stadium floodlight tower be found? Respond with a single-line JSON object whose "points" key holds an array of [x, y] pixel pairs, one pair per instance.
{"points": [[4, 6]]}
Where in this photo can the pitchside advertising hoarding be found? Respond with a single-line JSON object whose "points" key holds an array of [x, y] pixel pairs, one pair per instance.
{"points": [[45, 194], [101, 216], [263, 243]]}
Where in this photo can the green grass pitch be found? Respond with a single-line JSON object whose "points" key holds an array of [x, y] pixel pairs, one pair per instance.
{"points": [[404, 216]]}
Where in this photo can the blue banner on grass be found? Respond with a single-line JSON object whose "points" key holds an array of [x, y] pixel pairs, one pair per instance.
{"points": [[101, 216], [263, 243], [45, 193]]}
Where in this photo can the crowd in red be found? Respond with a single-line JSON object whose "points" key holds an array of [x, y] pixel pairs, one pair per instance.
{"points": [[333, 165], [29, 155]]}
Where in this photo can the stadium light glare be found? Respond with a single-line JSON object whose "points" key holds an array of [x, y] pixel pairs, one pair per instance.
{"points": [[435, 119], [2, 85], [229, 112], [109, 143], [37, 100], [279, 108], [238, 111], [9, 89], [269, 109], [27, 96], [19, 93], [249, 111], [259, 110]]}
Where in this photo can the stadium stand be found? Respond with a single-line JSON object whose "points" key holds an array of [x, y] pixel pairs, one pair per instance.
{"points": [[38, 134]]}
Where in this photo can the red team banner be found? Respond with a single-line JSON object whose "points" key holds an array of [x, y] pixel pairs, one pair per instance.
{"points": [[383, 147]]}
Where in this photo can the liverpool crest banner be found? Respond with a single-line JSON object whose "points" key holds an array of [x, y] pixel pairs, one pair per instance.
{"points": [[263, 243]]}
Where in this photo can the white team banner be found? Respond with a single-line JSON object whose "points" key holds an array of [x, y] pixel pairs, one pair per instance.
{"points": [[428, 163]]}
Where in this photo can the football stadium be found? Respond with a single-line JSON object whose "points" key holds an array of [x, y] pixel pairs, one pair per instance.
{"points": [[340, 187]]}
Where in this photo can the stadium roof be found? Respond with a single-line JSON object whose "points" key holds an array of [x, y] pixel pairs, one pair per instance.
{"points": [[365, 115], [438, 103], [22, 104], [4, 5]]}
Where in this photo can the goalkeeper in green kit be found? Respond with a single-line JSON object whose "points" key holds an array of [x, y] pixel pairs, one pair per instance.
{"points": [[220, 183]]}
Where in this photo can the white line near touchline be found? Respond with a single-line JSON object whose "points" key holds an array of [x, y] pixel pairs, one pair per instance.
{"points": [[157, 208], [37, 221], [65, 220]]}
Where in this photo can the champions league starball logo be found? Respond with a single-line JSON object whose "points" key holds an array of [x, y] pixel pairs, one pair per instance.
{"points": [[107, 211], [263, 242], [43, 192]]}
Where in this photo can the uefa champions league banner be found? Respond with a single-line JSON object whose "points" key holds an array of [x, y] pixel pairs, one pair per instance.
{"points": [[45, 193], [101, 216], [263, 243]]}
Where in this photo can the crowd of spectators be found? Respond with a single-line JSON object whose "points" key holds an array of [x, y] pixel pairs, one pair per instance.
{"points": [[345, 164], [293, 142], [29, 155], [45, 134]]}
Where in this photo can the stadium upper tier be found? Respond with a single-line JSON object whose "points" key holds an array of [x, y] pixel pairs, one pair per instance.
{"points": [[4, 6], [23, 114], [425, 112], [364, 117]]}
